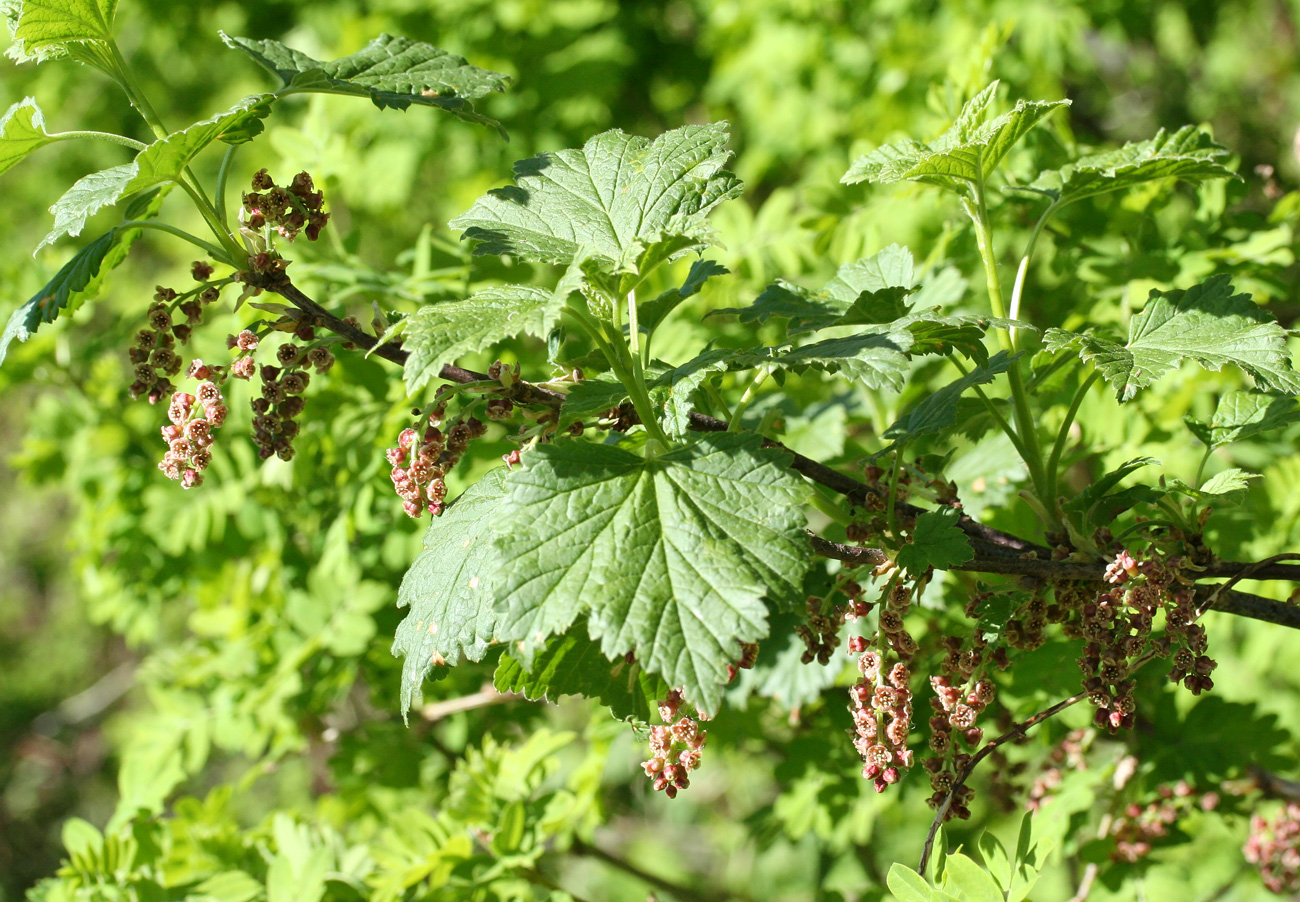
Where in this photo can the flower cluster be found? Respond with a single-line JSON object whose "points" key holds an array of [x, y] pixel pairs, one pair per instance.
{"points": [[280, 402], [287, 210], [153, 353], [675, 747], [882, 716], [1140, 826], [1274, 848], [422, 459], [190, 433]]}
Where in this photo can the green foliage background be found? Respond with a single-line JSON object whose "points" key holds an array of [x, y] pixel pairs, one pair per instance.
{"points": [[212, 668]]}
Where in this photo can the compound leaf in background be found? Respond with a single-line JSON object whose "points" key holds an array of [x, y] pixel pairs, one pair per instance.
{"points": [[437, 334], [1206, 323], [446, 588], [392, 71], [668, 557], [961, 157], [1242, 414], [22, 130], [621, 200]]}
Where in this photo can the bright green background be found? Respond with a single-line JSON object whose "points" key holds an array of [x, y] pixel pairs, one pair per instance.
{"points": [[237, 636]]}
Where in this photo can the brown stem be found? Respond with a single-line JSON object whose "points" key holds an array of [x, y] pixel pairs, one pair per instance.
{"points": [[1016, 731]]}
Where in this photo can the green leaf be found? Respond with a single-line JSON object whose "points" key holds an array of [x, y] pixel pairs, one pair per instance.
{"points": [[44, 29], [971, 882], [870, 290], [1214, 489], [162, 161], [1241, 415], [1206, 323], [878, 359], [573, 664], [669, 557], [1098, 505], [393, 72], [681, 382], [438, 334], [590, 398], [651, 313], [446, 588], [81, 277], [229, 886], [936, 542], [1188, 154], [907, 885], [995, 859], [621, 199], [938, 410], [961, 157], [22, 130]]}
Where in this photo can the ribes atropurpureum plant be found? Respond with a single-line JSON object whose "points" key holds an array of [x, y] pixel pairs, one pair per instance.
{"points": [[649, 530]]}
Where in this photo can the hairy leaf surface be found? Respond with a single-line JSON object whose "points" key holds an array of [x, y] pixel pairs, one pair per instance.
{"points": [[392, 71], [437, 334], [1189, 154], [618, 198], [44, 29], [1206, 323], [670, 558], [961, 157], [446, 588]]}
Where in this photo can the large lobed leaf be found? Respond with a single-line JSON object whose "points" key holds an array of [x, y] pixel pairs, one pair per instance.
{"points": [[43, 29], [451, 606], [162, 161], [437, 334], [22, 130], [392, 71], [1206, 323], [963, 156], [1188, 154], [618, 198], [670, 558]]}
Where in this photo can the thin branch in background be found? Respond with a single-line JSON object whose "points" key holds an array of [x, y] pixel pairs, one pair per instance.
{"points": [[684, 893], [1016, 731], [485, 697]]}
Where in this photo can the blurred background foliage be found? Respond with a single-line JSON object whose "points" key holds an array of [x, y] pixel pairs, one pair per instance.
{"points": [[205, 676]]}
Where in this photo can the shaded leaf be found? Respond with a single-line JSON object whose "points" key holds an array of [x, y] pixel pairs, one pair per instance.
{"points": [[669, 557], [46, 304], [936, 542], [446, 588], [1241, 415], [681, 382], [938, 410], [573, 664], [651, 313], [878, 359], [590, 398], [1206, 323], [437, 334], [392, 71], [618, 198]]}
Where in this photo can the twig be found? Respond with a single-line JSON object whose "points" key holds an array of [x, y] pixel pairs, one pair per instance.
{"points": [[1016, 731], [681, 892], [90, 702], [1085, 885], [484, 698], [1274, 786], [1230, 601]]}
